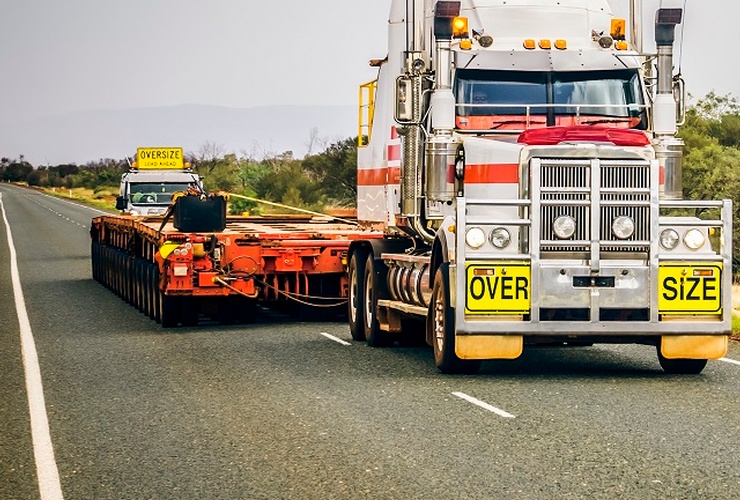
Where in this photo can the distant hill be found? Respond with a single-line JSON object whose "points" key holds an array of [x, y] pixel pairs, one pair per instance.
{"points": [[92, 135]]}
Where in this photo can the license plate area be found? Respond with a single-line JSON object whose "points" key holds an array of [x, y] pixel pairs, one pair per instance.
{"points": [[593, 281], [497, 289]]}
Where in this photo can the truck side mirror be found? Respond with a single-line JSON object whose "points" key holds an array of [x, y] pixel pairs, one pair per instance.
{"points": [[121, 203]]}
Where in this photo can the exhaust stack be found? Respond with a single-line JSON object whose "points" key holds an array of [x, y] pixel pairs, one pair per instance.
{"points": [[669, 148]]}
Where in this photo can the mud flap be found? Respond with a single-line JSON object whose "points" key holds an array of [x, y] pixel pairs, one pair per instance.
{"points": [[489, 346], [693, 346]]}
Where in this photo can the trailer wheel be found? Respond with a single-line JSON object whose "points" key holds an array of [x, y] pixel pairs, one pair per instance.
{"points": [[189, 309], [94, 258], [681, 366], [374, 336], [441, 321], [356, 298], [170, 311]]}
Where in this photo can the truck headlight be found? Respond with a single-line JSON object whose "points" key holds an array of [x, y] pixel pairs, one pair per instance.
{"points": [[694, 239], [475, 238], [623, 227], [564, 227], [500, 238], [669, 239]]}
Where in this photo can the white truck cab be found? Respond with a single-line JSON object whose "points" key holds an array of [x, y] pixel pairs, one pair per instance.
{"points": [[154, 177]]}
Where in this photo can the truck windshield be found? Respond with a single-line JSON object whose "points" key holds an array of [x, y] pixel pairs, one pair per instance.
{"points": [[154, 193], [511, 101]]}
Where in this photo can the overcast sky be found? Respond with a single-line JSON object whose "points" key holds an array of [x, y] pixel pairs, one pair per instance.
{"points": [[73, 55]]}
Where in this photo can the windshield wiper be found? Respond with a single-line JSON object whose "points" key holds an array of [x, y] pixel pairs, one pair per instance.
{"points": [[513, 122], [613, 119]]}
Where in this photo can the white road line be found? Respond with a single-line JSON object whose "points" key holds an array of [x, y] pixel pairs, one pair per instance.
{"points": [[46, 468], [79, 205], [728, 360], [485, 406], [335, 339]]}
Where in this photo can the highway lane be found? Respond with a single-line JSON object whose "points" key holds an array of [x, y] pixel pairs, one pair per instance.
{"points": [[277, 410]]}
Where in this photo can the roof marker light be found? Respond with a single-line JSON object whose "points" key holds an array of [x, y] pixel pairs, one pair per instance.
{"points": [[529, 43], [618, 31], [621, 45], [460, 27], [561, 44], [545, 44]]}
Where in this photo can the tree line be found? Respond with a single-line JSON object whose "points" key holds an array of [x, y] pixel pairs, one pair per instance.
{"points": [[315, 182]]}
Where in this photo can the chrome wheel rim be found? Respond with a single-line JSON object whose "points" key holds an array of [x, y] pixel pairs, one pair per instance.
{"points": [[439, 318], [353, 296]]}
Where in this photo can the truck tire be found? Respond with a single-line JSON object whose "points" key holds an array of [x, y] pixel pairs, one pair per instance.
{"points": [[681, 366], [356, 296], [374, 336], [441, 321]]}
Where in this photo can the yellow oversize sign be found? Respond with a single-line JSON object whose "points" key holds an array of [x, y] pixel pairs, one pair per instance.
{"points": [[497, 289], [690, 288], [160, 159]]}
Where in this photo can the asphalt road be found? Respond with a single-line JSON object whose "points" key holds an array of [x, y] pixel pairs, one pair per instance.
{"points": [[282, 409]]}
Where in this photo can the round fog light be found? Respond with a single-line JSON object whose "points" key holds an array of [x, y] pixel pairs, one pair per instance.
{"points": [[669, 239], [475, 238], [564, 227], [623, 227], [500, 238], [694, 239]]}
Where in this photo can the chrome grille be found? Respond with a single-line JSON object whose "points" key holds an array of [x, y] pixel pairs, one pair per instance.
{"points": [[570, 187]]}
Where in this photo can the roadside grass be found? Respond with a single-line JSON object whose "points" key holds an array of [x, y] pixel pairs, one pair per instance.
{"points": [[736, 312], [103, 198]]}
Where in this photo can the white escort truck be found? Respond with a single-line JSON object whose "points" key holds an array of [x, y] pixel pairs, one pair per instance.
{"points": [[155, 175]]}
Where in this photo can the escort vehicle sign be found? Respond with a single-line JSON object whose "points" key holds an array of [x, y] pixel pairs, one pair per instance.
{"points": [[497, 289], [160, 159], [690, 288]]}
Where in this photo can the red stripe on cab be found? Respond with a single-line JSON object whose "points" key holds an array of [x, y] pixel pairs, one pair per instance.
{"points": [[492, 173], [378, 176]]}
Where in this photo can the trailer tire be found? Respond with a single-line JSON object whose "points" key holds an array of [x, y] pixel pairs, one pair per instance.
{"points": [[374, 336], [441, 322], [356, 295], [189, 311], [681, 366], [170, 311]]}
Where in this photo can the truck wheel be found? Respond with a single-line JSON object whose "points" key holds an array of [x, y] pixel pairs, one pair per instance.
{"points": [[356, 298], [681, 366], [441, 321], [374, 336]]}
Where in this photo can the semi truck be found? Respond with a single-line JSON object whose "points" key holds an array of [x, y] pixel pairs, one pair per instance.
{"points": [[180, 259], [522, 160]]}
